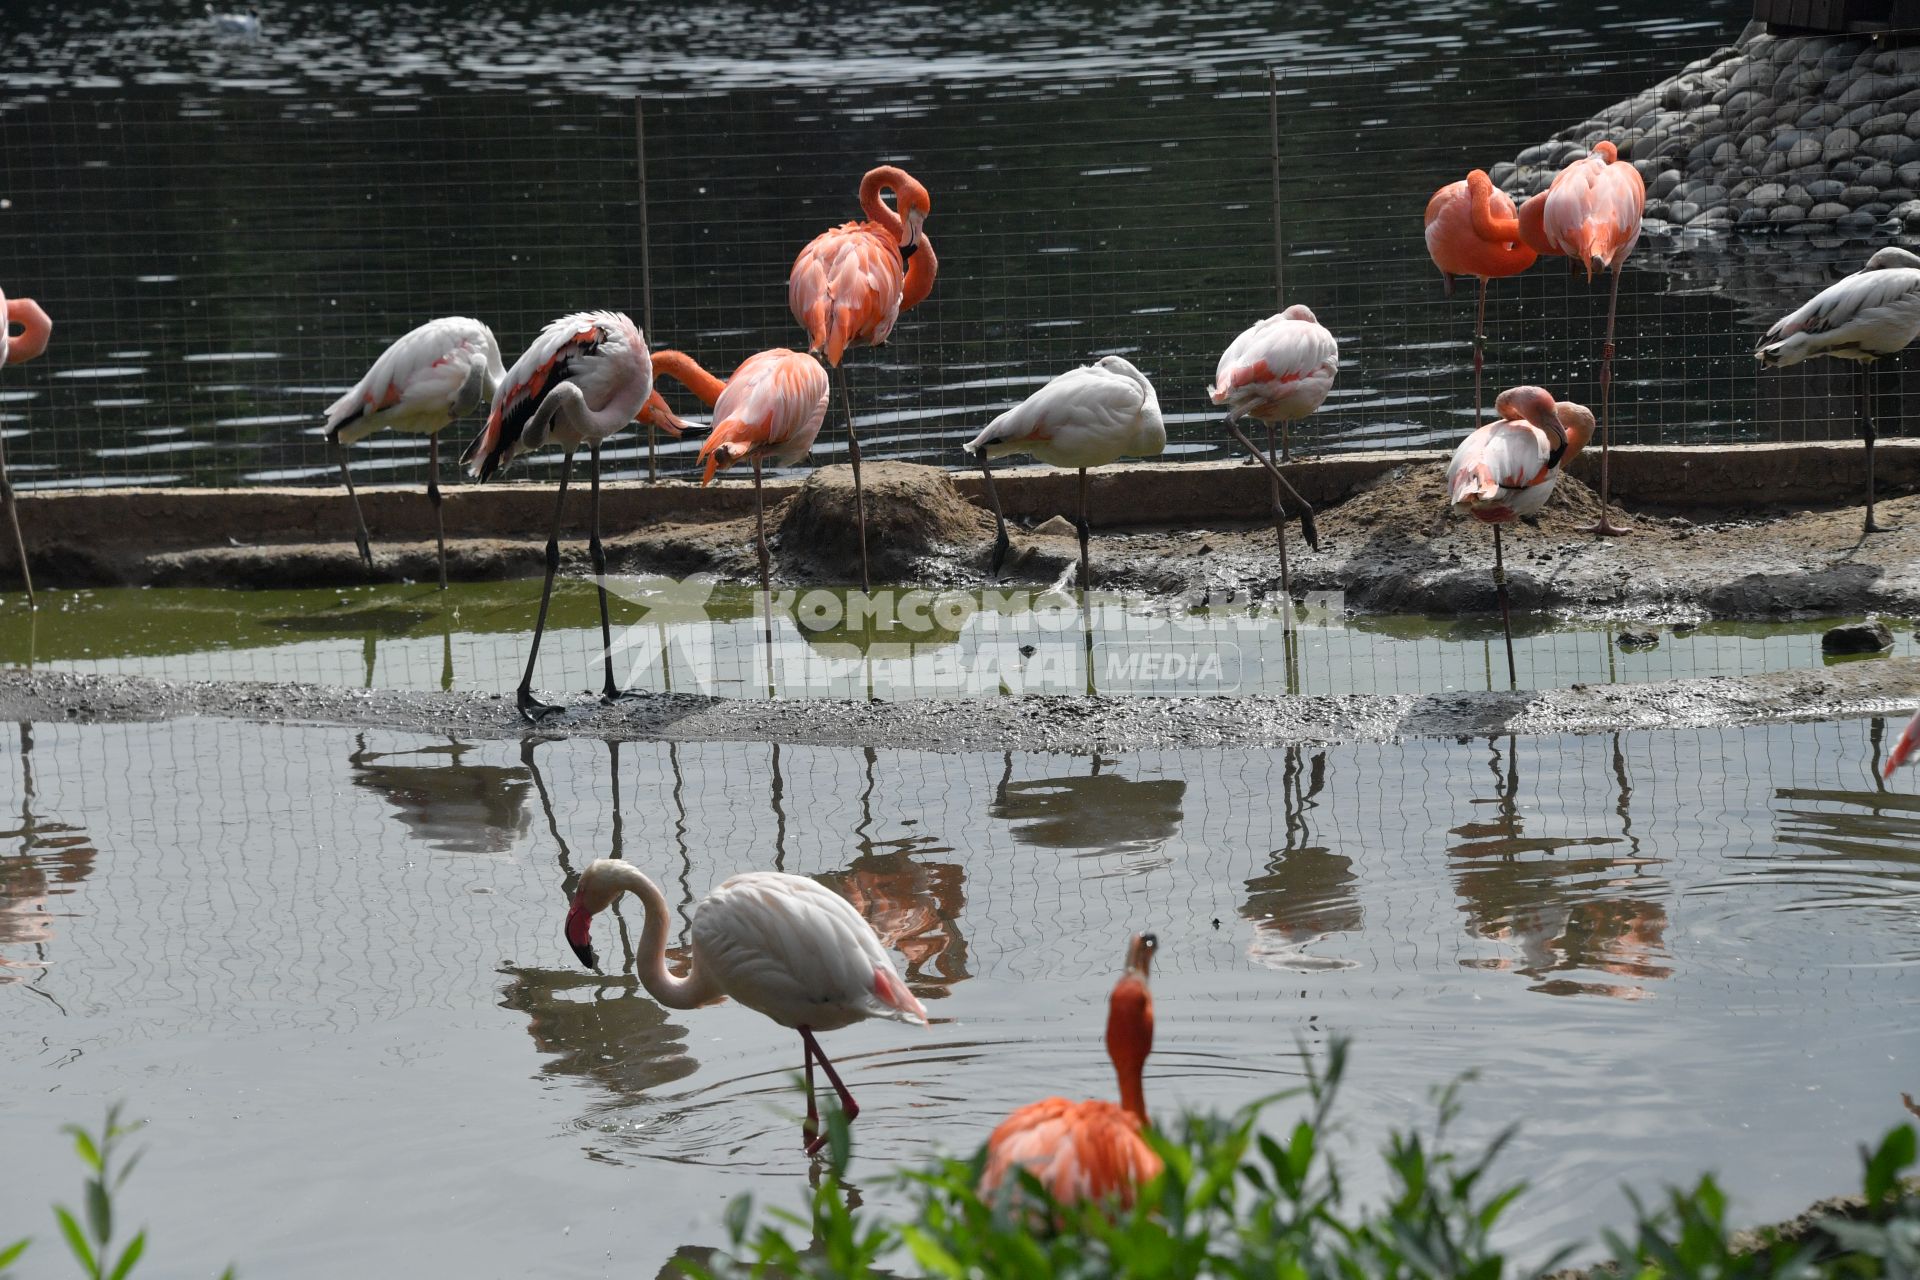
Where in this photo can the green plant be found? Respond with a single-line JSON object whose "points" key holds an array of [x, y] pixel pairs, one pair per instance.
{"points": [[92, 1244]]}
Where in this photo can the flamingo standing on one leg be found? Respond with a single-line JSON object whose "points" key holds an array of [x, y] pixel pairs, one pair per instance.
{"points": [[1280, 370], [1086, 417], [1591, 213], [1903, 747], [1473, 229], [35, 329], [435, 375], [1873, 313], [1507, 469], [585, 377], [769, 411], [781, 945], [850, 284], [1090, 1150]]}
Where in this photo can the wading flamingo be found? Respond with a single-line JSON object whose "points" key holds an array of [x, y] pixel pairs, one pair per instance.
{"points": [[1090, 1150], [1086, 417], [1280, 370], [850, 284], [1473, 229], [439, 373], [1507, 469], [1873, 313], [585, 377], [35, 329], [769, 411], [1903, 748], [1591, 213], [781, 945]]}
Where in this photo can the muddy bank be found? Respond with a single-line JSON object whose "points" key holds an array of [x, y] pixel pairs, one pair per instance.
{"points": [[1067, 724], [1385, 545]]}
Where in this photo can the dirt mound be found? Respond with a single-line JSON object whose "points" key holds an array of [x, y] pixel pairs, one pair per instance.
{"points": [[1410, 498], [912, 511]]}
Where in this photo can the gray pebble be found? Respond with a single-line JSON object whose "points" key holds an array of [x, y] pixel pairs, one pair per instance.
{"points": [[1681, 211], [1767, 193], [1855, 222], [1840, 144], [1853, 196], [1720, 217], [1887, 122], [1827, 212], [1661, 187], [1785, 213]]}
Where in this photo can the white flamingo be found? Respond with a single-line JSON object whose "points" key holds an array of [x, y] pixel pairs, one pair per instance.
{"points": [[1873, 313], [436, 375], [584, 378], [1086, 417], [783, 946]]}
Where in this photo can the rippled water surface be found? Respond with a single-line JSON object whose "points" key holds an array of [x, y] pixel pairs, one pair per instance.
{"points": [[328, 967]]}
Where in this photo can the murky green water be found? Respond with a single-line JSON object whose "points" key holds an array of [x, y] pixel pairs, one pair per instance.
{"points": [[692, 637], [328, 967]]}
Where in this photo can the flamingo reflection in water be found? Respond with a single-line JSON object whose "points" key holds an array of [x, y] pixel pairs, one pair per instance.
{"points": [[1307, 892], [50, 861]]}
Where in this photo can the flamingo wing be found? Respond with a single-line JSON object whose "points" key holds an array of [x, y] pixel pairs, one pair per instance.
{"points": [[774, 405], [416, 384], [794, 950], [1497, 461], [1593, 210], [1868, 314], [593, 349], [1077, 1150], [1083, 418], [1282, 367], [1903, 747], [845, 288]]}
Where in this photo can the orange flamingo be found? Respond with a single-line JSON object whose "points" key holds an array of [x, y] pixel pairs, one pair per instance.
{"points": [[1474, 230], [770, 410], [1507, 470], [850, 284], [30, 342], [1591, 213], [1903, 747], [1089, 1150]]}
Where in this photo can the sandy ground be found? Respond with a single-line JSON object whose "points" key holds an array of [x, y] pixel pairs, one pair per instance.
{"points": [[1065, 724], [1387, 549]]}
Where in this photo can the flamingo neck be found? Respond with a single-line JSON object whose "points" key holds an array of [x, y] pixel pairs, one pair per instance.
{"points": [[921, 269], [650, 960], [1488, 224], [1130, 1040], [686, 371], [36, 328], [885, 178]]}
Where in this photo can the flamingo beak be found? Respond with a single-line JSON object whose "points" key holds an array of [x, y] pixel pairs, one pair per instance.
{"points": [[580, 934]]}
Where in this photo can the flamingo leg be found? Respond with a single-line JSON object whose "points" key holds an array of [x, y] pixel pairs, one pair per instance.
{"points": [[1307, 528], [1869, 434], [611, 691], [1084, 528], [360, 536], [433, 497], [1479, 349], [760, 527], [1604, 526], [13, 519], [1280, 536], [859, 493], [848, 1107], [1000, 543], [531, 708], [1506, 614], [809, 1128]]}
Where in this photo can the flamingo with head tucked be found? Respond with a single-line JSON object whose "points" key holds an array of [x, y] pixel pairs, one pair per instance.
{"points": [[850, 284], [1507, 469], [1473, 229], [1872, 314], [1081, 1151], [584, 378], [770, 410], [1591, 213], [433, 376], [783, 946], [35, 330]]}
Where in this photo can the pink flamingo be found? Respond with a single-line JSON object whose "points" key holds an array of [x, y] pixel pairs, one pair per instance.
{"points": [[1280, 370], [769, 411], [1507, 469], [433, 376], [850, 284], [35, 329], [1089, 1150], [1903, 748], [1591, 213], [781, 945], [584, 378], [1474, 230]]}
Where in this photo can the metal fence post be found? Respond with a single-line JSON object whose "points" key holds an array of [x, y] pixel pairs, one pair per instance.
{"points": [[646, 266]]}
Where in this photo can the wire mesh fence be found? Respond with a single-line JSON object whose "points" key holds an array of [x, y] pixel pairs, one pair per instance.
{"points": [[218, 274]]}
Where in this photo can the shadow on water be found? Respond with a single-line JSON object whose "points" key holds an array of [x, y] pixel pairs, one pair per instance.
{"points": [[1308, 892], [50, 861], [1096, 813], [439, 796], [1561, 915]]}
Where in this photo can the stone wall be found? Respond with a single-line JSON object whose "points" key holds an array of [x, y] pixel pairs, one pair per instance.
{"points": [[1793, 134]]}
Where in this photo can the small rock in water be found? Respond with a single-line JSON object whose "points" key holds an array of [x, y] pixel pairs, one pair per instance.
{"points": [[1638, 640], [1857, 637]]}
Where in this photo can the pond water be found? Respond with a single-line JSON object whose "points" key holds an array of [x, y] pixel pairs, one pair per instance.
{"points": [[689, 637], [327, 967], [228, 231]]}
